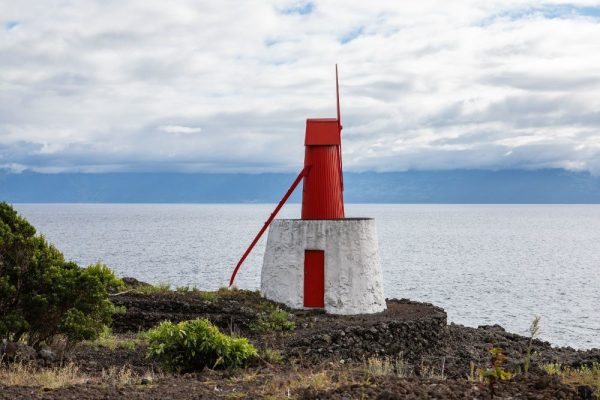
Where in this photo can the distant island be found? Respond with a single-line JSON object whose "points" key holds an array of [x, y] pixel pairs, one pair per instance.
{"points": [[549, 186]]}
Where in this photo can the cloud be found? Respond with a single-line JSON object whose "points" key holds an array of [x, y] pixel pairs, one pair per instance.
{"points": [[178, 129], [227, 86]]}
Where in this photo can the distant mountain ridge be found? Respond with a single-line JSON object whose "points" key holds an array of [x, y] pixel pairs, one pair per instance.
{"points": [[454, 186]]}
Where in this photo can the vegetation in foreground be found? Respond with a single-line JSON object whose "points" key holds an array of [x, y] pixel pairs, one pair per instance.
{"points": [[194, 345], [368, 379], [274, 319], [69, 374], [584, 375], [269, 375], [43, 296]]}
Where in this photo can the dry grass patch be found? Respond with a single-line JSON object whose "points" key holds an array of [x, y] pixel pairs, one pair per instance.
{"points": [[433, 370], [124, 376], [283, 385], [329, 376], [235, 395], [119, 376], [585, 375], [386, 366], [247, 376], [21, 374]]}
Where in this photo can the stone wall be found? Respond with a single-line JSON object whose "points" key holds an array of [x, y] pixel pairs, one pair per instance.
{"points": [[353, 278], [412, 337]]}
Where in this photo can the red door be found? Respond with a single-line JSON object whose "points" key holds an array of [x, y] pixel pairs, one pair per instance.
{"points": [[314, 278]]}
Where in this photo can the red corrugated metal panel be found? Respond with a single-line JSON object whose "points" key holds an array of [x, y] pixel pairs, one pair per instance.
{"points": [[314, 278], [324, 131], [322, 196]]}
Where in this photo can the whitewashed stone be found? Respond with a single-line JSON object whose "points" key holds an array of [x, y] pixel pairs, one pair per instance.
{"points": [[353, 278]]}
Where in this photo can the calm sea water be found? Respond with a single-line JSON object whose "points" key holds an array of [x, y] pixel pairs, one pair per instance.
{"points": [[484, 264]]}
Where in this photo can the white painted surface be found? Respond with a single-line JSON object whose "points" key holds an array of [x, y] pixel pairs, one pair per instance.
{"points": [[353, 278]]}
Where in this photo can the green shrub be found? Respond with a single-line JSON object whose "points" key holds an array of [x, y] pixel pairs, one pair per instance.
{"points": [[154, 289], [274, 319], [42, 295], [271, 356], [193, 345]]}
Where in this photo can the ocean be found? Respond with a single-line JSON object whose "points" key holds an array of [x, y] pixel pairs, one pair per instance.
{"points": [[484, 264]]}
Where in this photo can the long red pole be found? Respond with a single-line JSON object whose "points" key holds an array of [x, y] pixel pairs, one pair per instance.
{"points": [[337, 94], [339, 121], [301, 175]]}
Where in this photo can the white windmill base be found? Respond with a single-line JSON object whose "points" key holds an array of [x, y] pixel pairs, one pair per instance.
{"points": [[353, 281]]}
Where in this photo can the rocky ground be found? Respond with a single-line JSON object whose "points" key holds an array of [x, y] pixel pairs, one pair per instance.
{"points": [[408, 352]]}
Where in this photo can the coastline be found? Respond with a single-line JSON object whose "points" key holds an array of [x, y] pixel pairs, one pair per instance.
{"points": [[409, 351]]}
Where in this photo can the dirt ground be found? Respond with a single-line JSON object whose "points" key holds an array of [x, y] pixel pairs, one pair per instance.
{"points": [[408, 352], [269, 384]]}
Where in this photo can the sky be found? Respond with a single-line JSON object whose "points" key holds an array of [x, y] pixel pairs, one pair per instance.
{"points": [[226, 86]]}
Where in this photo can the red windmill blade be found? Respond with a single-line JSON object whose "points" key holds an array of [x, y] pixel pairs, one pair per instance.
{"points": [[322, 194]]}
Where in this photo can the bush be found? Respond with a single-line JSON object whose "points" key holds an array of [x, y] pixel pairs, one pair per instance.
{"points": [[274, 319], [42, 295], [193, 345]]}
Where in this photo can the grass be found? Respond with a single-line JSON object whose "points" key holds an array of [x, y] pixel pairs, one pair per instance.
{"points": [[430, 371], [584, 375], [110, 341], [271, 382], [153, 289], [283, 385], [208, 296], [534, 331], [118, 376], [274, 319], [253, 297], [227, 292], [24, 374], [271, 356], [387, 366], [186, 289], [123, 376], [204, 295], [275, 383], [21, 374], [331, 376]]}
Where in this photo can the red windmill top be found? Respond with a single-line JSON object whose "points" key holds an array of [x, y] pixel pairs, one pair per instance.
{"points": [[322, 194]]}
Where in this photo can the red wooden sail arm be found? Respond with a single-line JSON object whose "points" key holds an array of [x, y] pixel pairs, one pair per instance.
{"points": [[287, 195]]}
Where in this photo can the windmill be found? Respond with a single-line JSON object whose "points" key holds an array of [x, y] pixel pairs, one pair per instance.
{"points": [[322, 260]]}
